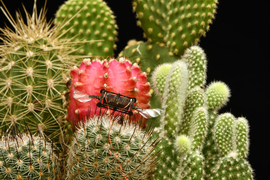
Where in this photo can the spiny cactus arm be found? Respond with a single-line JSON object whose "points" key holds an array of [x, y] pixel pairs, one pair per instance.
{"points": [[218, 94], [174, 98], [169, 159], [242, 137], [152, 17], [199, 128], [195, 98], [191, 166], [88, 21], [231, 167], [224, 133], [159, 78], [188, 21], [196, 61]]}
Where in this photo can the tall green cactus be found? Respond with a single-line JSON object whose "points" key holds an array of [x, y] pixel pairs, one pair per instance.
{"points": [[88, 20], [201, 144]]}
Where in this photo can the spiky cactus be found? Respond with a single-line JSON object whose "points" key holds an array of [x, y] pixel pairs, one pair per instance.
{"points": [[25, 156], [200, 144], [89, 20], [108, 147], [33, 75]]}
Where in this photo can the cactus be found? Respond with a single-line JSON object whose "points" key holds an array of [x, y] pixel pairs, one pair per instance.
{"points": [[86, 21], [178, 24], [196, 141], [108, 147], [33, 75], [199, 144], [25, 156]]}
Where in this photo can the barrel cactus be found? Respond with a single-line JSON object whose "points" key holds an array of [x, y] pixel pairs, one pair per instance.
{"points": [[25, 156], [108, 147], [33, 74]]}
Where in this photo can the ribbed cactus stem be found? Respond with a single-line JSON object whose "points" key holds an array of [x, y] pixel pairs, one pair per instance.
{"points": [[174, 97]]}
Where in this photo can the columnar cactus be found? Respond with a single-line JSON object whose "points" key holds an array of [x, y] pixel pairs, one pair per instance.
{"points": [[108, 147], [86, 21], [25, 156], [33, 75], [203, 145]]}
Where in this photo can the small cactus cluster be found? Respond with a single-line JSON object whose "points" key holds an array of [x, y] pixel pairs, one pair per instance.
{"points": [[34, 71], [198, 143], [103, 148], [86, 21], [25, 156]]}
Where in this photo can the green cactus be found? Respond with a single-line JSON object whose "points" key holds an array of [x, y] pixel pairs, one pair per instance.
{"points": [[200, 144], [179, 24], [88, 20], [148, 56], [103, 148], [33, 76], [25, 156], [231, 162]]}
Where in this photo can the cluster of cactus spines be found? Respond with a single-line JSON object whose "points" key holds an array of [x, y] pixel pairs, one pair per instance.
{"points": [[179, 24], [26, 156], [33, 75], [108, 147], [86, 21], [204, 145]]}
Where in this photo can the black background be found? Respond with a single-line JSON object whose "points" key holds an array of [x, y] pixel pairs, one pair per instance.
{"points": [[237, 51]]}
